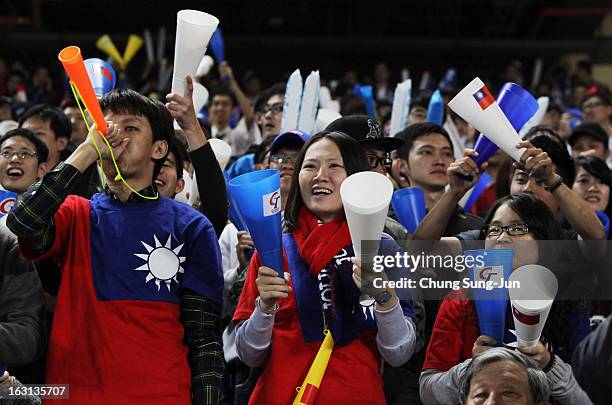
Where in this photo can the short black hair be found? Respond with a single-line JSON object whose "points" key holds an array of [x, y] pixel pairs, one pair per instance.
{"points": [[598, 169], [420, 101], [415, 131], [42, 153], [126, 101], [533, 211], [223, 91], [178, 150], [277, 89], [58, 121], [544, 130], [353, 156]]}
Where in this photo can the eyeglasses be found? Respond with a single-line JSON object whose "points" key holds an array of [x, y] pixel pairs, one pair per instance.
{"points": [[280, 159], [21, 154], [384, 161], [274, 108], [592, 104], [512, 230]]}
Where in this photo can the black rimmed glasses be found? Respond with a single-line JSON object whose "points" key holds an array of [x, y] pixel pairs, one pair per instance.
{"points": [[512, 230]]}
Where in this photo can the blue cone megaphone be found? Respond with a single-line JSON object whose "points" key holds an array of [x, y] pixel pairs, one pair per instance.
{"points": [[605, 221], [493, 266], [257, 198], [217, 45], [409, 206], [101, 74], [435, 110], [518, 106]]}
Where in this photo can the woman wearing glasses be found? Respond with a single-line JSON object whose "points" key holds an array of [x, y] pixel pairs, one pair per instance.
{"points": [[282, 321], [518, 221]]}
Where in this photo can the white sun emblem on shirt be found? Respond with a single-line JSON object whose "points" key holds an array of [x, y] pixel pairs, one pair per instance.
{"points": [[162, 263]]}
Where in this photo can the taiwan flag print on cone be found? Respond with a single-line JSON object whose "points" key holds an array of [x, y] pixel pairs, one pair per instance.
{"points": [[476, 105], [531, 301], [257, 198], [518, 106]]}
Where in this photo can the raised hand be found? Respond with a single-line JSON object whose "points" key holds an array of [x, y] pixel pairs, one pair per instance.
{"points": [[463, 173], [181, 108], [271, 287]]}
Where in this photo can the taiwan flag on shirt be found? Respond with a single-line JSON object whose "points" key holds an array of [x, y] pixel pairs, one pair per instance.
{"points": [[484, 97], [117, 336]]}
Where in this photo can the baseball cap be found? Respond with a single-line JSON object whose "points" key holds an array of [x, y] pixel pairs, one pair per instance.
{"points": [[365, 130], [591, 129], [293, 137]]}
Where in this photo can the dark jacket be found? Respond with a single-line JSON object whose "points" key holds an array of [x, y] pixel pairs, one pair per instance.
{"points": [[21, 306]]}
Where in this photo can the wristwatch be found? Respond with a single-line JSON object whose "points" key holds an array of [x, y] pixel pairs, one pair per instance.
{"points": [[555, 185], [382, 297]]}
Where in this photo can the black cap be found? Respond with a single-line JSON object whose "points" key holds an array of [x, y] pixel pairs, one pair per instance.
{"points": [[591, 129], [365, 130]]}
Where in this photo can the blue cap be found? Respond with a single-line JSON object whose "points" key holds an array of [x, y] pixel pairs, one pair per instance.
{"points": [[293, 137]]}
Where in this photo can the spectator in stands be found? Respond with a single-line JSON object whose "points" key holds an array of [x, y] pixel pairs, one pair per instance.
{"points": [[512, 222], [79, 129], [223, 101], [272, 100], [271, 332], [369, 134], [591, 139], [22, 336], [596, 107], [23, 160]]}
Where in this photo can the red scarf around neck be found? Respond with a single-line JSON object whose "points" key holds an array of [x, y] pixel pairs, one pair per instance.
{"points": [[318, 244]]}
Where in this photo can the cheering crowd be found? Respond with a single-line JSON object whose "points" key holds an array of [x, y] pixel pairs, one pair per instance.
{"points": [[124, 275]]}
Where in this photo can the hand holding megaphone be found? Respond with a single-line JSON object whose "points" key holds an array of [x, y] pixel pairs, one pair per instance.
{"points": [[181, 108], [271, 287], [538, 353], [535, 162], [113, 136], [463, 173]]}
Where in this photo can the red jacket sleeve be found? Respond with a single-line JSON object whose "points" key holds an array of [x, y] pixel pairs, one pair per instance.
{"points": [[454, 322]]}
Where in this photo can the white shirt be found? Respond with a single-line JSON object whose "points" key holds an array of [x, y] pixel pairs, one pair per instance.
{"points": [[229, 258], [240, 137]]}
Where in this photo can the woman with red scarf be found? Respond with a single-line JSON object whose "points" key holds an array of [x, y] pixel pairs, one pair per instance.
{"points": [[281, 321]]}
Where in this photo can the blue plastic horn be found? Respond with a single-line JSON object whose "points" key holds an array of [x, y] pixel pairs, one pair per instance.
{"points": [[493, 266], [257, 198], [101, 74], [409, 206], [518, 105]]}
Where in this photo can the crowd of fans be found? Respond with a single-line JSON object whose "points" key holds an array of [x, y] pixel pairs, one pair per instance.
{"points": [[117, 280]]}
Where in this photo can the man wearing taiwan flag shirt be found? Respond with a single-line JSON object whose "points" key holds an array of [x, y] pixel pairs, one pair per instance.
{"points": [[137, 319]]}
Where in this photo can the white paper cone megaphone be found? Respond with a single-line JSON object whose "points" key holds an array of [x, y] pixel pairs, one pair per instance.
{"points": [[325, 117], [477, 106], [205, 65], [366, 197], [193, 31], [531, 301]]}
